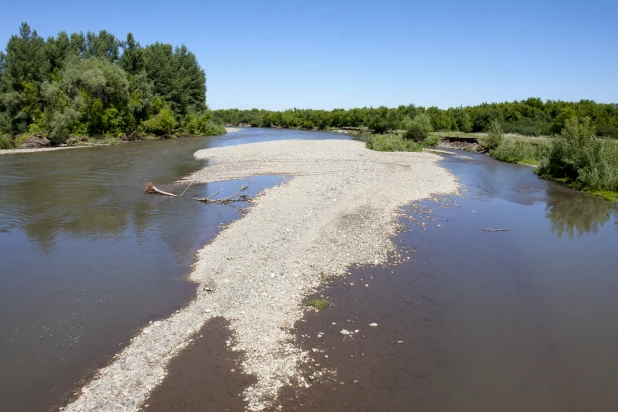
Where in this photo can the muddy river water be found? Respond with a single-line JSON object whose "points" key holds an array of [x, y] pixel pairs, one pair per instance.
{"points": [[86, 258], [519, 320]]}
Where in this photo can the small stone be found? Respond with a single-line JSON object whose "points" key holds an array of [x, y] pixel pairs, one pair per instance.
{"points": [[399, 341], [373, 325], [344, 332]]}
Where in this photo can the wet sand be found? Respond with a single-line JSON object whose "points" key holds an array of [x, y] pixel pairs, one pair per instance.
{"points": [[206, 375]]}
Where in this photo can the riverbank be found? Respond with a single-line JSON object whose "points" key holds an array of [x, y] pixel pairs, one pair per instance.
{"points": [[338, 208], [107, 141], [595, 172]]}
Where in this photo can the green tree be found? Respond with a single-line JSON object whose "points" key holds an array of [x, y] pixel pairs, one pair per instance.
{"points": [[419, 128]]}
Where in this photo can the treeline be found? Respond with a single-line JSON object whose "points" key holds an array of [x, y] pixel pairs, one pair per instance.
{"points": [[97, 84], [531, 117]]}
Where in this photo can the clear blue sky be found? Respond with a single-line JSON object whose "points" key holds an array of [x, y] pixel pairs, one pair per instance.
{"points": [[328, 54]]}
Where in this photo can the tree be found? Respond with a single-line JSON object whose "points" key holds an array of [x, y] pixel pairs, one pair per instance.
{"points": [[419, 128], [25, 60]]}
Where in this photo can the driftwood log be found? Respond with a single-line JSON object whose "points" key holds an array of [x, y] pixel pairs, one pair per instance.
{"points": [[236, 197]]}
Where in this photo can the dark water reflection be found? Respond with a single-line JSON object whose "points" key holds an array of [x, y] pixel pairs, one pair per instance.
{"points": [[523, 320], [86, 257], [571, 213], [527, 317], [575, 214]]}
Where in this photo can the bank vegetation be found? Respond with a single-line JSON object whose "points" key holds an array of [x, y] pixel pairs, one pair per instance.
{"points": [[74, 86]]}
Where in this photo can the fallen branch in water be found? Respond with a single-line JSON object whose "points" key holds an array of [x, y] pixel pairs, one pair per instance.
{"points": [[495, 230], [187, 188], [236, 197], [229, 199], [151, 190]]}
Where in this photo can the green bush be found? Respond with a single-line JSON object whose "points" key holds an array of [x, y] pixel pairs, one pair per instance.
{"points": [[203, 125], [6, 142], [494, 137], [582, 159], [419, 128], [162, 123], [432, 140], [522, 151], [392, 143], [213, 129]]}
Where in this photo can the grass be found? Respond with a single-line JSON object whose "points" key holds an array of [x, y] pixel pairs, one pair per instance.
{"points": [[392, 143], [521, 151], [396, 142], [319, 304], [463, 135], [605, 194]]}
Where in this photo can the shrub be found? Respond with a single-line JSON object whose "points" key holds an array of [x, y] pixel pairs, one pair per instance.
{"points": [[162, 123], [419, 128], [432, 140], [582, 159], [58, 123], [520, 151], [392, 143], [494, 137], [6, 142], [203, 125]]}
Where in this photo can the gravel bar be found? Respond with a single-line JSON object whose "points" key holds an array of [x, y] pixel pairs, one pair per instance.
{"points": [[338, 208]]}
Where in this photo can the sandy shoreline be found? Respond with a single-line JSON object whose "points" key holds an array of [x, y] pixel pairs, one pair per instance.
{"points": [[338, 209]]}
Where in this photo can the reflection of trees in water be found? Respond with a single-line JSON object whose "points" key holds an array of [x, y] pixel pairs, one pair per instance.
{"points": [[574, 213], [95, 194], [62, 204]]}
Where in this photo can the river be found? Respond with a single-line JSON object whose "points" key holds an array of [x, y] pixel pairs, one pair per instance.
{"points": [[517, 320], [475, 320], [88, 258]]}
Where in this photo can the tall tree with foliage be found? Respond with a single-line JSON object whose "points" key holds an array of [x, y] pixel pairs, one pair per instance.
{"points": [[96, 84]]}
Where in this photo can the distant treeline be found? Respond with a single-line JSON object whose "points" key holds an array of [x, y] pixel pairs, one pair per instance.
{"points": [[532, 117], [96, 84]]}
